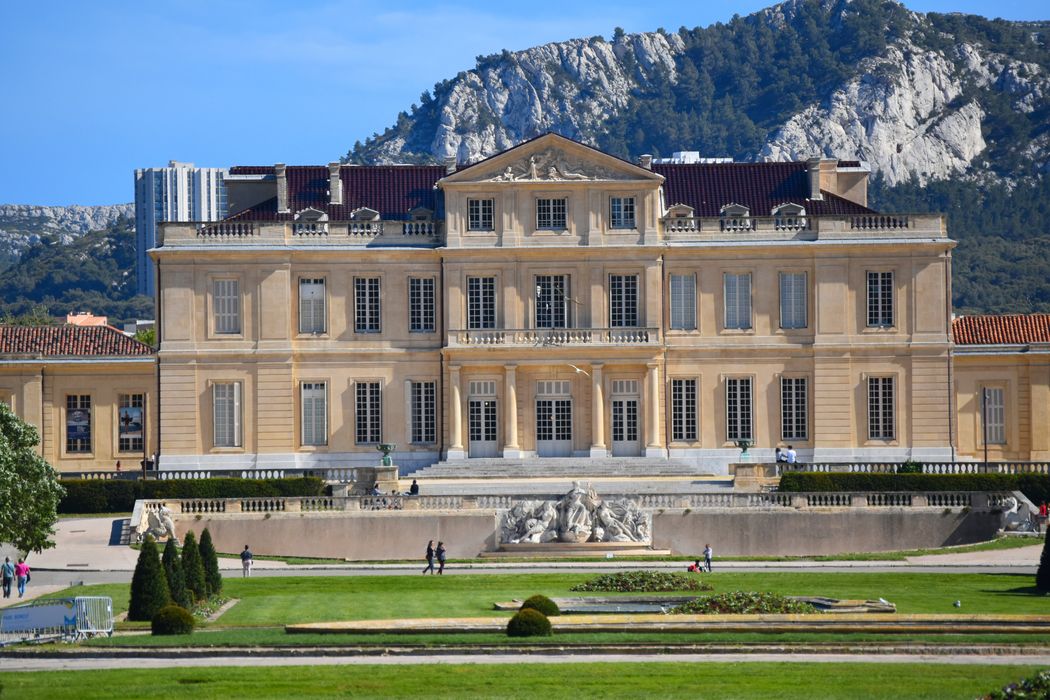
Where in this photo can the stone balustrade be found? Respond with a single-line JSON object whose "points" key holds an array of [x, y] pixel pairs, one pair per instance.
{"points": [[927, 467], [802, 227], [553, 337]]}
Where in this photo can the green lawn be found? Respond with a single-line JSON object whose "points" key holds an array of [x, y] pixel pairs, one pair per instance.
{"points": [[596, 680]]}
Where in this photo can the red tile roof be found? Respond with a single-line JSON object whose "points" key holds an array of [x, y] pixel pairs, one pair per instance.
{"points": [[707, 187], [69, 341], [1008, 329]]}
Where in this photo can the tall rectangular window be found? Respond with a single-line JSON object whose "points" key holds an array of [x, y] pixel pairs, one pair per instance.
{"points": [[78, 423], [424, 417], [794, 424], [621, 212], [479, 215], [421, 304], [683, 410], [552, 299], [481, 302], [314, 417], [738, 409], [312, 305], [738, 300], [793, 298], [880, 299], [131, 422], [368, 427], [880, 408], [683, 302], [226, 417], [550, 214], [994, 411], [226, 306], [623, 301], [366, 305]]}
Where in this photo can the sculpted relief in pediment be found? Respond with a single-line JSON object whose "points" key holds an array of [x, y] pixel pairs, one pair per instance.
{"points": [[553, 166]]}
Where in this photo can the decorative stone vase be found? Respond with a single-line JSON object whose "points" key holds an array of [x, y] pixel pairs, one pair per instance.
{"points": [[386, 448], [744, 445]]}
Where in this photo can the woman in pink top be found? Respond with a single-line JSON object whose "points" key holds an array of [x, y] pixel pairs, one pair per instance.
{"points": [[22, 576]]}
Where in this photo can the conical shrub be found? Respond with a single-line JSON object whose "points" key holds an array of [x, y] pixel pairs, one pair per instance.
{"points": [[1042, 574], [193, 568], [149, 585], [210, 559], [172, 562]]}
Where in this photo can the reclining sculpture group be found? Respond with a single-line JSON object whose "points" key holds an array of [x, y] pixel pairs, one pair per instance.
{"points": [[580, 516]]}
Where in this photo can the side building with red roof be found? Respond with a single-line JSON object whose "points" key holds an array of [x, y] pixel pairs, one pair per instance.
{"points": [[90, 391]]}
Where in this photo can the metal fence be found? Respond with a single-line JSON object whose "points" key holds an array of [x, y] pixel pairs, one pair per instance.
{"points": [[54, 619]]}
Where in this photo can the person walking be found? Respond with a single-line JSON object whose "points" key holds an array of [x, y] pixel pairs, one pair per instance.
{"points": [[22, 576], [430, 559], [441, 557], [246, 562], [7, 573], [708, 553]]}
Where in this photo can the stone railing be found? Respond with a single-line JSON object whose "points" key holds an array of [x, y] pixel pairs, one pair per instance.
{"points": [[927, 467], [310, 228], [314, 233], [554, 337], [224, 229], [804, 227]]}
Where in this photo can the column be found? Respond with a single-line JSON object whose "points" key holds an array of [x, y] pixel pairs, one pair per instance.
{"points": [[455, 449], [598, 448], [511, 449], [653, 443]]}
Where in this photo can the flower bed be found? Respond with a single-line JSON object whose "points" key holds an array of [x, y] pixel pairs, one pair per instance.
{"points": [[643, 582], [743, 603], [1037, 686]]}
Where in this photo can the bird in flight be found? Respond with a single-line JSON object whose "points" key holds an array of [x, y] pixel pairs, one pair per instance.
{"points": [[578, 370]]}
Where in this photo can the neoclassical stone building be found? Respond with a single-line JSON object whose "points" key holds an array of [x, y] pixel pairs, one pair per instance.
{"points": [[553, 300]]}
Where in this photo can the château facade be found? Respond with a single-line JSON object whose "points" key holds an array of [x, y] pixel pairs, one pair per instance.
{"points": [[553, 300]]}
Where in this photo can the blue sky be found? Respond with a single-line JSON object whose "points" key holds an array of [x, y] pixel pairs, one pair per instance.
{"points": [[95, 89]]}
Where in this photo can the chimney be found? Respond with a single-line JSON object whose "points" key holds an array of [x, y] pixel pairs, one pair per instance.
{"points": [[282, 188], [646, 161], [450, 165], [813, 170], [335, 185]]}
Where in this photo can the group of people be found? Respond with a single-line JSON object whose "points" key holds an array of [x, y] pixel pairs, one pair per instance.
{"points": [[696, 567], [788, 456], [12, 574], [433, 554]]}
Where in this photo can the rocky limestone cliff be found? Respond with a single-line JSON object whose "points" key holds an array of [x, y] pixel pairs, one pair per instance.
{"points": [[22, 225]]}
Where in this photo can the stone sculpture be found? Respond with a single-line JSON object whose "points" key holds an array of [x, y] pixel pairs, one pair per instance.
{"points": [[579, 516], [554, 166], [160, 524]]}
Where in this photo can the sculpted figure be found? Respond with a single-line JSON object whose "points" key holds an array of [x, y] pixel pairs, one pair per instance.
{"points": [[160, 524], [574, 519]]}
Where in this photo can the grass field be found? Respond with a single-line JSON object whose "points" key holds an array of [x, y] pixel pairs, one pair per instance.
{"points": [[594, 680]]}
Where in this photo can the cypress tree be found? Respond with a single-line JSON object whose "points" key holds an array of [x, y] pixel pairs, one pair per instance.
{"points": [[193, 568], [210, 559], [1042, 574], [176, 578], [149, 586]]}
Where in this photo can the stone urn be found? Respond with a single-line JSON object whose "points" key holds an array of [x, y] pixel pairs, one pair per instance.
{"points": [[744, 445], [386, 448]]}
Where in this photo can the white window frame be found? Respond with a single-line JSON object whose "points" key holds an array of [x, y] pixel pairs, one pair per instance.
{"points": [[481, 302], [622, 213], [683, 301], [368, 309], [880, 309], [313, 316], [421, 304], [740, 408], [481, 214], [794, 408], [226, 415], [552, 301], [882, 408], [423, 401], [313, 414], [737, 300], [368, 412], [685, 410], [226, 306], [623, 300], [794, 304], [993, 411], [552, 213]]}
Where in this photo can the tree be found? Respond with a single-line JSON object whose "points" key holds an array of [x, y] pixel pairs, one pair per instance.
{"points": [[176, 577], [210, 560], [147, 336], [193, 567], [149, 586], [29, 487], [1042, 575]]}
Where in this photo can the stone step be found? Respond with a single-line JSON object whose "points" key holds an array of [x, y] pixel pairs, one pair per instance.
{"points": [[568, 467], [555, 487]]}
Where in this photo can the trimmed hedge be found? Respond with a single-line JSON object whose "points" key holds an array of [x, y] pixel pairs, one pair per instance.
{"points": [[119, 495], [1035, 486], [543, 604], [172, 619], [529, 623]]}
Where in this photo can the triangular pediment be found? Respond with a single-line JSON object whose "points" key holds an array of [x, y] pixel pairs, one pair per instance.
{"points": [[551, 158]]}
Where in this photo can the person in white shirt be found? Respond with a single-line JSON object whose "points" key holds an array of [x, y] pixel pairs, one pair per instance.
{"points": [[708, 553], [791, 455]]}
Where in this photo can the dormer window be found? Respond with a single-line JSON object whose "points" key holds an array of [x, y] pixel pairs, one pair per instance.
{"points": [[681, 218], [420, 222], [420, 214], [364, 214], [310, 221], [735, 217], [365, 222], [789, 217]]}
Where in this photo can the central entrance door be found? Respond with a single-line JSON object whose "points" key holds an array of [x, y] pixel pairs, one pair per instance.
{"points": [[625, 440], [553, 419], [482, 420]]}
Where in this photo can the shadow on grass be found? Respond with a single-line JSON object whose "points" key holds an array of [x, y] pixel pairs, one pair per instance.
{"points": [[1030, 591]]}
